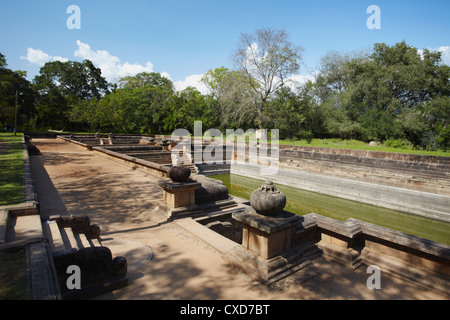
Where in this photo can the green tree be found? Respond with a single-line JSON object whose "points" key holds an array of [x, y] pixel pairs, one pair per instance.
{"points": [[190, 106], [291, 112], [386, 92], [233, 97], [14, 85], [63, 85], [144, 79], [267, 58], [139, 105]]}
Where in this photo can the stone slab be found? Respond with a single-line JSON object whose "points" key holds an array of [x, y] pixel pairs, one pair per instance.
{"points": [[175, 186], [271, 270], [267, 224]]}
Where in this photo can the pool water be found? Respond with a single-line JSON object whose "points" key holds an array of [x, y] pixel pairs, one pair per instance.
{"points": [[303, 202]]}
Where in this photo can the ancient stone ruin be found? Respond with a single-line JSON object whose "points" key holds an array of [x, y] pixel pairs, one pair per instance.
{"points": [[260, 236]]}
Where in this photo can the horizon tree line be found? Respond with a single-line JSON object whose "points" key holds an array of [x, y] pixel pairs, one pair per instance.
{"points": [[393, 93]]}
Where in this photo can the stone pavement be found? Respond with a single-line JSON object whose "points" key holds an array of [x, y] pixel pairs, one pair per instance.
{"points": [[166, 261]]}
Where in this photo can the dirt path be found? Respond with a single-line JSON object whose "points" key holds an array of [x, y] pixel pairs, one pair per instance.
{"points": [[166, 261]]}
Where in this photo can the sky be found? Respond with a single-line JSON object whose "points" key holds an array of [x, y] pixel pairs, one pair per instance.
{"points": [[183, 39]]}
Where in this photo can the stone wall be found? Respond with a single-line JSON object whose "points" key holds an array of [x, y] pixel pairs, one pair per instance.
{"points": [[402, 199], [415, 172], [354, 243]]}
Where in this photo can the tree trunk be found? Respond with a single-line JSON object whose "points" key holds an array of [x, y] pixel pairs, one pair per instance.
{"points": [[260, 115]]}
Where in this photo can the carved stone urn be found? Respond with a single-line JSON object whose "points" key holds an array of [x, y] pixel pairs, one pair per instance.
{"points": [[267, 200], [178, 173]]}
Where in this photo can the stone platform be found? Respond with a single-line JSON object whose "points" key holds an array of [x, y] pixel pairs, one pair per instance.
{"points": [[186, 264]]}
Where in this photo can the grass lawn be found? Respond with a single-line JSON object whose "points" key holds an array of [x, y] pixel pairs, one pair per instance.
{"points": [[13, 276], [358, 145], [11, 169]]}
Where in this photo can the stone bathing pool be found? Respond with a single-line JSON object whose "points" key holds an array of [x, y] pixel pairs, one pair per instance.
{"points": [[303, 202]]}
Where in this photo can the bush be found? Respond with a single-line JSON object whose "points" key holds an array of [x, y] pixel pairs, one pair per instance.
{"points": [[429, 141], [398, 143]]}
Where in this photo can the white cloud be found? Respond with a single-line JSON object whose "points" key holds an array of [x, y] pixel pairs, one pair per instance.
{"points": [[166, 75], [297, 80], [192, 81], [40, 58], [113, 69], [111, 66], [445, 53]]}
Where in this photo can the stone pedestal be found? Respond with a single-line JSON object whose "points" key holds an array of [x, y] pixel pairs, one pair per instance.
{"points": [[266, 250], [179, 194]]}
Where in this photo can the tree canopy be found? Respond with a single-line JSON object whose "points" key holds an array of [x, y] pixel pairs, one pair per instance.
{"points": [[397, 94]]}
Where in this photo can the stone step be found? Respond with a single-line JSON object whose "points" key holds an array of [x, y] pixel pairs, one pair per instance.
{"points": [[54, 237], [64, 239], [69, 238], [22, 228]]}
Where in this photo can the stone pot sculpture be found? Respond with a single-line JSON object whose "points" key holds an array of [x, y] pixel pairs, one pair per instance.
{"points": [[267, 200], [179, 173]]}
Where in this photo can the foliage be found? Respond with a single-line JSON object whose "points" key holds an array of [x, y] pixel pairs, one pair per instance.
{"points": [[232, 97], [62, 85], [14, 85], [267, 59], [11, 170], [392, 94]]}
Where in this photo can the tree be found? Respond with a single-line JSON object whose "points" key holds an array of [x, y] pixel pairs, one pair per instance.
{"points": [[61, 85], [385, 94], [145, 79], [13, 84], [291, 113], [140, 104], [189, 106], [234, 98], [267, 58]]}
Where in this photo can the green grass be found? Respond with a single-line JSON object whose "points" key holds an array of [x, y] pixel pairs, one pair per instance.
{"points": [[11, 169], [13, 276], [358, 145]]}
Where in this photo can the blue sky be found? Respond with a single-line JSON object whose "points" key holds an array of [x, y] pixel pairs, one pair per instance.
{"points": [[183, 39]]}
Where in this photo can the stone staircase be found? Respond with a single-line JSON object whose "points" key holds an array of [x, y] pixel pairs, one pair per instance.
{"points": [[53, 244], [75, 242], [24, 232], [191, 167], [213, 169], [64, 240]]}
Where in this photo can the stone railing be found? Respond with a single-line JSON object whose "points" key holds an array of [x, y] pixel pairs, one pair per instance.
{"points": [[353, 243]]}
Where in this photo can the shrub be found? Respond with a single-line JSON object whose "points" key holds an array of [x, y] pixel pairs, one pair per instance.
{"points": [[398, 143]]}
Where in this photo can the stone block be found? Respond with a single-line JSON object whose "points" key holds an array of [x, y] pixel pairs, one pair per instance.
{"points": [[179, 194], [266, 251]]}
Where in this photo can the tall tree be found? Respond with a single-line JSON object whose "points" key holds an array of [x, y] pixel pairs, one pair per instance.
{"points": [[61, 85], [267, 58], [145, 79], [14, 87], [384, 94], [233, 96]]}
